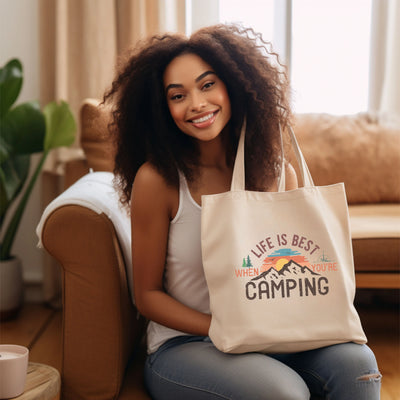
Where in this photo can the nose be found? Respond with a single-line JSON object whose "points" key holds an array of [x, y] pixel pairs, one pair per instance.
{"points": [[198, 102]]}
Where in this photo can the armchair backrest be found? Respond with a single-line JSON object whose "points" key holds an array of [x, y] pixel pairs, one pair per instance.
{"points": [[96, 141]]}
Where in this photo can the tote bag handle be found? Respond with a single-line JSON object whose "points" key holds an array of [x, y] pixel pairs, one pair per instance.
{"points": [[238, 178]]}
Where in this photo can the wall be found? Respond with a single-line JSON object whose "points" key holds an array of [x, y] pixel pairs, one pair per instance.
{"points": [[19, 38]]}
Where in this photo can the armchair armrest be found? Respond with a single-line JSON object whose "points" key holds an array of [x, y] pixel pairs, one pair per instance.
{"points": [[100, 325]]}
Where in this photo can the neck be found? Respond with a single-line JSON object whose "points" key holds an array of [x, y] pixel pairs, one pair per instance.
{"points": [[213, 154]]}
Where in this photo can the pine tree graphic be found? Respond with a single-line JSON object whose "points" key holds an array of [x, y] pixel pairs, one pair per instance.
{"points": [[249, 264], [244, 263]]}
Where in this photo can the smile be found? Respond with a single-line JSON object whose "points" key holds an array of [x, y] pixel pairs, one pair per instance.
{"points": [[203, 119]]}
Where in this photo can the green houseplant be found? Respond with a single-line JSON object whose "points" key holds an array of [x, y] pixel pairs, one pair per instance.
{"points": [[25, 129]]}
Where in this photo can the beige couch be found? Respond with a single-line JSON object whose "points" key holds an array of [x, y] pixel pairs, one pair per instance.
{"points": [[102, 355], [365, 155]]}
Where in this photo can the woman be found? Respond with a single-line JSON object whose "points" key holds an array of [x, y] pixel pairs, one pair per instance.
{"points": [[179, 106]]}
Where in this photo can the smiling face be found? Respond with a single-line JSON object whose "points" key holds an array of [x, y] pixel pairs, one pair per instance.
{"points": [[197, 99]]}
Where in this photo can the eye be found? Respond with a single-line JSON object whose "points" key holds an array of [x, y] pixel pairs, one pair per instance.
{"points": [[175, 97], [207, 85]]}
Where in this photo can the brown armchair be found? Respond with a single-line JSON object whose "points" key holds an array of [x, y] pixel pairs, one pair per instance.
{"points": [[103, 348]]}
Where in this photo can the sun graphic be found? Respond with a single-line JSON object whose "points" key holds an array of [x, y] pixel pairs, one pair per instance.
{"points": [[280, 263]]}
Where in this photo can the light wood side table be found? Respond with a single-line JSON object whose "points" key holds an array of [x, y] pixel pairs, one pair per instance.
{"points": [[42, 383]]}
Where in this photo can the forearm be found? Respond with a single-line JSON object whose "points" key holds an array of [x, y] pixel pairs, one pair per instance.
{"points": [[160, 307]]}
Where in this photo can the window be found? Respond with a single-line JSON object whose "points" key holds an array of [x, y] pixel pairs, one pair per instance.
{"points": [[330, 55], [328, 47], [257, 14]]}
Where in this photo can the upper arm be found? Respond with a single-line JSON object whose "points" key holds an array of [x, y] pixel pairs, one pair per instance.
{"points": [[150, 216], [153, 203]]}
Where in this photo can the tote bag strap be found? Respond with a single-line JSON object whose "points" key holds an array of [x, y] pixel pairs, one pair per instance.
{"points": [[238, 178]]}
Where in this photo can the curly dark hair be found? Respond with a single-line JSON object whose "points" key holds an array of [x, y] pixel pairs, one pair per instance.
{"points": [[145, 131]]}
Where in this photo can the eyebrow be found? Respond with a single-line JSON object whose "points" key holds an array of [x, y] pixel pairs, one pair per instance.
{"points": [[203, 75], [199, 78]]}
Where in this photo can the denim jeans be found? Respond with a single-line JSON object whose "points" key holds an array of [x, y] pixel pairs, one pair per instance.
{"points": [[192, 368]]}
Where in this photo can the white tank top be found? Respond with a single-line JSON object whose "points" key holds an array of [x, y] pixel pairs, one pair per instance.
{"points": [[184, 278]]}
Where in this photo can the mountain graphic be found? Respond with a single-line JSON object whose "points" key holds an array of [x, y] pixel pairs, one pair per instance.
{"points": [[289, 269]]}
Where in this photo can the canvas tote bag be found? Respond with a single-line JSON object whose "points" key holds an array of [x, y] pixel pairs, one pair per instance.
{"points": [[279, 265]]}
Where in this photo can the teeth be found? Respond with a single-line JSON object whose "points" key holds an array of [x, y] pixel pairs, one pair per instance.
{"points": [[207, 117]]}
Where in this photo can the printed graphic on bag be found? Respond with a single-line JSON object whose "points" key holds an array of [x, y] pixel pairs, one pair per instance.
{"points": [[285, 266]]}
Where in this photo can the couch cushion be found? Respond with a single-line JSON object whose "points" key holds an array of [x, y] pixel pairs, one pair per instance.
{"points": [[375, 231], [354, 149], [96, 141]]}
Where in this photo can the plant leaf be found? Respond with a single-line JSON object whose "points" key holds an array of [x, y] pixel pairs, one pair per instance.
{"points": [[13, 174], [23, 129], [5, 148], [60, 125], [11, 79]]}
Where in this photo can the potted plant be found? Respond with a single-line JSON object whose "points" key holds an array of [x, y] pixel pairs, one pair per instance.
{"points": [[24, 129]]}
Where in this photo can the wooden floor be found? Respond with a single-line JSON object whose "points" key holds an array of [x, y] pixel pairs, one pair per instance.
{"points": [[39, 329]]}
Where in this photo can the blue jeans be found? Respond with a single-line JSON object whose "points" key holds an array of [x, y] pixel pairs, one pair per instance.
{"points": [[192, 368]]}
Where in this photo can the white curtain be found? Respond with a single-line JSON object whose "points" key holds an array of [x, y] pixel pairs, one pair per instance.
{"points": [[384, 93]]}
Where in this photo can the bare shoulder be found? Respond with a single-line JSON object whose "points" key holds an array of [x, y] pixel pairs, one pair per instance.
{"points": [[149, 177], [151, 192]]}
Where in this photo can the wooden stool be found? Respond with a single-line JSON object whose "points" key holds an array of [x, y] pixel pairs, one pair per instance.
{"points": [[42, 382]]}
